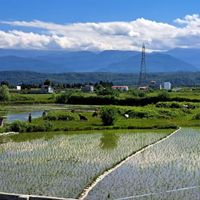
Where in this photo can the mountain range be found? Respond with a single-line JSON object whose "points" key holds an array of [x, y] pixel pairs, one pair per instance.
{"points": [[175, 60]]}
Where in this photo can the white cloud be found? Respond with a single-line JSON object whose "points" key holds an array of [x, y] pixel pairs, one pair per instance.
{"points": [[100, 36], [189, 20]]}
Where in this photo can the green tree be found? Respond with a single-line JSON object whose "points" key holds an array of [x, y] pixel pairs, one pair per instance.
{"points": [[141, 94], [4, 93], [134, 92], [5, 83], [47, 82], [108, 115], [108, 92], [163, 95], [64, 97]]}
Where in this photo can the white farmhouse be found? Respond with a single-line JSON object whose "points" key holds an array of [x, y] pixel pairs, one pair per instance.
{"points": [[19, 87], [47, 89], [167, 86], [50, 90]]}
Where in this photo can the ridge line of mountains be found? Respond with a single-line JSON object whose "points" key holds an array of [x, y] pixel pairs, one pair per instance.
{"points": [[175, 60]]}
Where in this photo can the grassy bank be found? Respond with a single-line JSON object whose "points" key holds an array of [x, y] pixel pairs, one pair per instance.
{"points": [[134, 110], [168, 115]]}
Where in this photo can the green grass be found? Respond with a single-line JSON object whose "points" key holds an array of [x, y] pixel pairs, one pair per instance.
{"points": [[147, 117], [159, 115], [20, 108], [32, 98], [73, 124], [95, 123], [18, 98], [186, 94]]}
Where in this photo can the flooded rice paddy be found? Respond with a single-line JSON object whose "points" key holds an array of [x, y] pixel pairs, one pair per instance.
{"points": [[62, 164]]}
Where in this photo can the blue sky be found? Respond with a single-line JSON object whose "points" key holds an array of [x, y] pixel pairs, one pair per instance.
{"points": [[99, 25], [67, 11]]}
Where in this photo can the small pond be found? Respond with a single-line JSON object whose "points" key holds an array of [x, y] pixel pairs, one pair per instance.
{"points": [[21, 112], [23, 116]]}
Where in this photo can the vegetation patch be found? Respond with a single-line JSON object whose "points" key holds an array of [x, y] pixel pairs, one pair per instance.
{"points": [[61, 115]]}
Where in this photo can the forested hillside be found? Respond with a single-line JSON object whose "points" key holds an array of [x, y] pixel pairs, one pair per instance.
{"points": [[177, 79]]}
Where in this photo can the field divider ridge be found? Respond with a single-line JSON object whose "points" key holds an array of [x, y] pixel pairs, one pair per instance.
{"points": [[9, 133]]}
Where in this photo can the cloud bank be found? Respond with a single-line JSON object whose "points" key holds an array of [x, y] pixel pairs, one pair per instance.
{"points": [[158, 36]]}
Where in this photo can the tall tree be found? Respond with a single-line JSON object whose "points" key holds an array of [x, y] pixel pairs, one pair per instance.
{"points": [[4, 93], [5, 83], [47, 82]]}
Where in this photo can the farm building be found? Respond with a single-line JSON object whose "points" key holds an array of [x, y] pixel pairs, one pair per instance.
{"points": [[88, 88], [122, 88], [47, 89], [19, 88], [167, 86], [144, 88]]}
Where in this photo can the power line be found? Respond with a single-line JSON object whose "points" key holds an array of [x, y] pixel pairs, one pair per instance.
{"points": [[156, 193]]}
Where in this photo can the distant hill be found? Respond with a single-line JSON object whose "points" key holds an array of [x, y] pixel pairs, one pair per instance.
{"points": [[10, 63], [155, 62], [191, 56], [107, 61], [85, 61]]}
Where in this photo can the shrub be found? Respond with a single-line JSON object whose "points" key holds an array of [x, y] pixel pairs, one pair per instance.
{"points": [[61, 115], [166, 114], [175, 105], [197, 116], [108, 115], [51, 117], [46, 126], [4, 93], [68, 117], [30, 128], [134, 92], [162, 105], [191, 106], [18, 126], [163, 95], [138, 114], [141, 94], [2, 129], [108, 92], [186, 110], [64, 97]]}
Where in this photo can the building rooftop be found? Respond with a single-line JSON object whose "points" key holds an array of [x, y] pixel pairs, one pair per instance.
{"points": [[120, 86]]}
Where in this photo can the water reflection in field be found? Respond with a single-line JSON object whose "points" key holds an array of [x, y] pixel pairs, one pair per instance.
{"points": [[23, 116]]}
